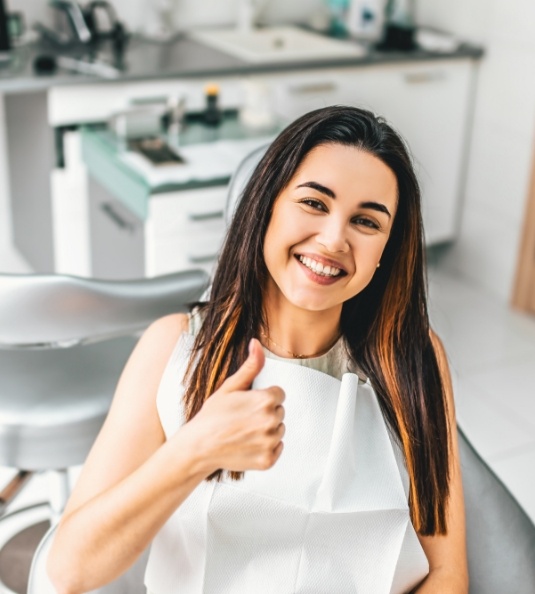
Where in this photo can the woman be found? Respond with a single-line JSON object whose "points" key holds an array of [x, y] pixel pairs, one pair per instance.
{"points": [[320, 282]]}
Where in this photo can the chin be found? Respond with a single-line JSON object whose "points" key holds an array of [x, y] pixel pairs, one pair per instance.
{"points": [[313, 303]]}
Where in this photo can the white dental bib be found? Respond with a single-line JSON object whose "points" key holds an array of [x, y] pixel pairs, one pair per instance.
{"points": [[331, 516]]}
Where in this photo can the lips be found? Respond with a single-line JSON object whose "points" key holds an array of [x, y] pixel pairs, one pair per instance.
{"points": [[318, 278], [324, 261]]}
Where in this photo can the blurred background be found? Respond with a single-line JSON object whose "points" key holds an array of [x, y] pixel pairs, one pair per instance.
{"points": [[121, 123]]}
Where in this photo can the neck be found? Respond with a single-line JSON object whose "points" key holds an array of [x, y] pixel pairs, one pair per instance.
{"points": [[297, 331]]}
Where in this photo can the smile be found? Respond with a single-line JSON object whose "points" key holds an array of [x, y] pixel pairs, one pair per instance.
{"points": [[318, 267]]}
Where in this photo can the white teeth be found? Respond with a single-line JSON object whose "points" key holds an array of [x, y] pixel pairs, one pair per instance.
{"points": [[319, 268]]}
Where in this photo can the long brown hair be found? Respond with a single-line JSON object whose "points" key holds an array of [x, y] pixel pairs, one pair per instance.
{"points": [[385, 326]]}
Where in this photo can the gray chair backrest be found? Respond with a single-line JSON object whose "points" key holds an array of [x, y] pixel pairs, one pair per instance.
{"points": [[239, 180], [45, 311], [500, 535]]}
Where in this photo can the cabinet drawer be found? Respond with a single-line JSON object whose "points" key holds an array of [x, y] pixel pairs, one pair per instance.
{"points": [[181, 252], [188, 212], [297, 93], [117, 237]]}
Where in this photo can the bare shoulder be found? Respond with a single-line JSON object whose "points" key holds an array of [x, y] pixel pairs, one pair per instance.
{"points": [[159, 339], [168, 327]]}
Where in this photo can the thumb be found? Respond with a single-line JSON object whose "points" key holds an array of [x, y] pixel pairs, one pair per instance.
{"points": [[243, 378]]}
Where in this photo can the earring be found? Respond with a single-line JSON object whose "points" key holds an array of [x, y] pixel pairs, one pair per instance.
{"points": [[378, 265]]}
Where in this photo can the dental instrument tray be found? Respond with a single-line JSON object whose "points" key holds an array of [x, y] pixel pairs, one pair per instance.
{"points": [[156, 150]]}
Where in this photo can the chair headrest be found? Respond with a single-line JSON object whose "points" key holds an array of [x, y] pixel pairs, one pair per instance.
{"points": [[239, 180], [47, 311]]}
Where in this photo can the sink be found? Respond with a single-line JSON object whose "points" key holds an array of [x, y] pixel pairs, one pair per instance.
{"points": [[277, 44]]}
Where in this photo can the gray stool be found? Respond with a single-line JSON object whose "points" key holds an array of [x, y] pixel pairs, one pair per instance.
{"points": [[63, 344]]}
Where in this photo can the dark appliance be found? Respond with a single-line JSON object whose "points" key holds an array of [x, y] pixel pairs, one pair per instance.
{"points": [[4, 30], [77, 24]]}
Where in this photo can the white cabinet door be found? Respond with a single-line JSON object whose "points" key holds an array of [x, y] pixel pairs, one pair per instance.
{"points": [[184, 229], [429, 104], [294, 94]]}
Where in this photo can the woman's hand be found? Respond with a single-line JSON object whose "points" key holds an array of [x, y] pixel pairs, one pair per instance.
{"points": [[239, 428]]}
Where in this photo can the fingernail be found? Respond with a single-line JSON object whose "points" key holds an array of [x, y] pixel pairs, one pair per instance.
{"points": [[250, 347]]}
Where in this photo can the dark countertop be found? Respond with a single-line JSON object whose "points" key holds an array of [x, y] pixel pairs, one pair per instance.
{"points": [[183, 58]]}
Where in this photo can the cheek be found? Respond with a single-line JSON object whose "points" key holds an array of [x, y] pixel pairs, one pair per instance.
{"points": [[368, 252], [286, 229], [271, 245]]}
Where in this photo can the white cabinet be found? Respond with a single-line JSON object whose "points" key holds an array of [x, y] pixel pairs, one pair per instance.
{"points": [[427, 102], [78, 104], [176, 235]]}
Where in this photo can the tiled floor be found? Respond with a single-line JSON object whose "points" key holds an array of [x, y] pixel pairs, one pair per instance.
{"points": [[492, 357]]}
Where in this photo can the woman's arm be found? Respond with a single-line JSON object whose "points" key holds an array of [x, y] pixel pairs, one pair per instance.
{"points": [[133, 479], [448, 570], [127, 469]]}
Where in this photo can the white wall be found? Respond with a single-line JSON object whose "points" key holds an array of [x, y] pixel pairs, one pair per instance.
{"points": [[503, 134]]}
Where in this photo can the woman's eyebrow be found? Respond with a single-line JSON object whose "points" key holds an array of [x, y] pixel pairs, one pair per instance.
{"points": [[328, 192], [316, 186], [375, 206]]}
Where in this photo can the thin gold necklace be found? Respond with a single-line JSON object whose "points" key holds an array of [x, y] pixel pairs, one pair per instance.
{"points": [[296, 355]]}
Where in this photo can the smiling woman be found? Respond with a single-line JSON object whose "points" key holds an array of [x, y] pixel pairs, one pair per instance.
{"points": [[335, 212], [316, 331]]}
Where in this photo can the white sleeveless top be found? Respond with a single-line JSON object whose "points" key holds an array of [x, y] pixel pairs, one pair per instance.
{"points": [[331, 516]]}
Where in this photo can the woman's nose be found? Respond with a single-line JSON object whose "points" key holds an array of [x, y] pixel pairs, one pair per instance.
{"points": [[333, 235]]}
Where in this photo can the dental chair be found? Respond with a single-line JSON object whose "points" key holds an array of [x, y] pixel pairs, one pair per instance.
{"points": [[63, 344], [500, 535]]}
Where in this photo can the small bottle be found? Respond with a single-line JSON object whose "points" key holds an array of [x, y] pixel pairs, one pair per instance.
{"points": [[338, 10], [212, 114]]}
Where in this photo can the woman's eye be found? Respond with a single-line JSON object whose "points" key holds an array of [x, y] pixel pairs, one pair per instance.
{"points": [[365, 222], [315, 204]]}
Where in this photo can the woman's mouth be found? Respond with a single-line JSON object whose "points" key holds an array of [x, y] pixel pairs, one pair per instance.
{"points": [[318, 272]]}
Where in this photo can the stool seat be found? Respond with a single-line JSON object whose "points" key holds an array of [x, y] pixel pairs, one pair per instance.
{"points": [[50, 398]]}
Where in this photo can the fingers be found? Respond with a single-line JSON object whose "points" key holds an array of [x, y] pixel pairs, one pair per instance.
{"points": [[276, 395], [279, 413], [280, 431], [278, 451], [251, 367]]}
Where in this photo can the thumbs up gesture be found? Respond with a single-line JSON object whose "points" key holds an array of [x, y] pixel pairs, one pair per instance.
{"points": [[239, 428]]}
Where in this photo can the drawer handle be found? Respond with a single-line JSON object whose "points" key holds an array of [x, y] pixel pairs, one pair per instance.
{"points": [[114, 216], [327, 87], [206, 216], [202, 259], [417, 78]]}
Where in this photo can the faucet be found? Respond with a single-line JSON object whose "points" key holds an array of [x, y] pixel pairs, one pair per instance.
{"points": [[247, 11]]}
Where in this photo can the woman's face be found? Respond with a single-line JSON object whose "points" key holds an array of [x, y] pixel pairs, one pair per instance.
{"points": [[329, 227]]}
